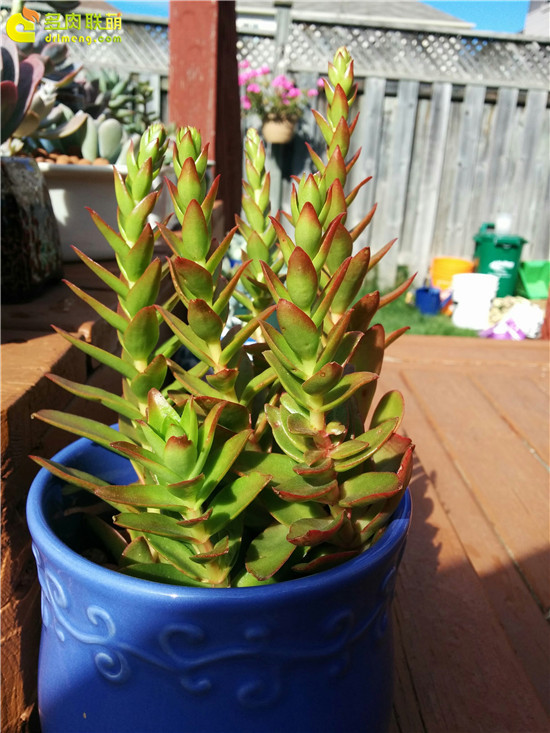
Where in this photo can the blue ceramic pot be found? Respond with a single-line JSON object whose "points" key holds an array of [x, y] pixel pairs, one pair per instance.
{"points": [[125, 655]]}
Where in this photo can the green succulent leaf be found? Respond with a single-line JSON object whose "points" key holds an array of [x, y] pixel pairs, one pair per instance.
{"points": [[301, 280], [161, 572], [220, 460], [391, 405], [82, 426], [363, 311], [341, 247], [324, 380], [124, 200], [288, 443], [187, 337], [194, 233], [289, 382], [308, 230], [141, 334], [232, 499], [113, 319], [220, 549], [224, 297], [110, 279], [353, 453], [310, 532], [73, 476], [274, 284], [192, 279], [139, 495], [137, 551], [154, 523], [132, 224], [178, 554], [352, 282], [138, 257], [204, 322], [268, 552], [180, 456], [328, 559], [369, 487], [245, 333], [96, 394], [145, 458], [152, 377], [347, 386], [287, 512], [114, 362], [297, 489], [144, 292], [299, 330], [279, 346]]}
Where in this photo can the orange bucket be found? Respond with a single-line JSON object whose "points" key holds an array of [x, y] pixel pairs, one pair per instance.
{"points": [[441, 275]]}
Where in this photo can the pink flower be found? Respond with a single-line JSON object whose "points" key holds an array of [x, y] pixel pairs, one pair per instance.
{"points": [[320, 82], [246, 76], [246, 103], [293, 93], [253, 89], [244, 64], [282, 81], [312, 93], [264, 70]]}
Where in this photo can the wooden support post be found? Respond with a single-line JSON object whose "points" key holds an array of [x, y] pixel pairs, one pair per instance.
{"points": [[203, 86]]}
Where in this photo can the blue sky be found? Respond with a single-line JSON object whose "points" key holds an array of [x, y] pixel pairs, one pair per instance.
{"points": [[487, 15]]}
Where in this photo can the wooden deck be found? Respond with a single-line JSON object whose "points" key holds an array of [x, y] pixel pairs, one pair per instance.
{"points": [[472, 640]]}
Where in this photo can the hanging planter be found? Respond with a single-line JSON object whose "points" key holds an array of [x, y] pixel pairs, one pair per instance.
{"points": [[278, 131], [120, 654]]}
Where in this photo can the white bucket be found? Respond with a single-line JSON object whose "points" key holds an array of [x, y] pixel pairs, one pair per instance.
{"points": [[472, 296]]}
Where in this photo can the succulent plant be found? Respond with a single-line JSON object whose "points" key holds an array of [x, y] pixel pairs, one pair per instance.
{"points": [[122, 98], [105, 138], [18, 85], [266, 460], [30, 113]]}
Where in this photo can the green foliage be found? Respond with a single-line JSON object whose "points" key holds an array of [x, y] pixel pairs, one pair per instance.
{"points": [[265, 460]]}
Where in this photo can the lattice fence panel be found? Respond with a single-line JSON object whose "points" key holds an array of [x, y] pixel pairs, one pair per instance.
{"points": [[404, 54]]}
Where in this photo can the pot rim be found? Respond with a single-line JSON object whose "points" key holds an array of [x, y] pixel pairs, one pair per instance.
{"points": [[72, 562]]}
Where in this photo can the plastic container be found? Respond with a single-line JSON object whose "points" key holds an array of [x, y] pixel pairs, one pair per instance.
{"points": [[428, 301], [442, 271], [472, 295], [534, 279], [499, 255]]}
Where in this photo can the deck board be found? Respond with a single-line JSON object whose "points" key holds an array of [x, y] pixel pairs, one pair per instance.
{"points": [[473, 645]]}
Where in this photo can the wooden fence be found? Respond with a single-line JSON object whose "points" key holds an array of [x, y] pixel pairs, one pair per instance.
{"points": [[454, 126], [454, 130], [445, 159]]}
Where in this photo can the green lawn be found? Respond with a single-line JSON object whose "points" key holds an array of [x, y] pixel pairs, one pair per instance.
{"points": [[399, 314]]}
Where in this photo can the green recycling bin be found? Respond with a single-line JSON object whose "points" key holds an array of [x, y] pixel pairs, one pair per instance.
{"points": [[498, 254]]}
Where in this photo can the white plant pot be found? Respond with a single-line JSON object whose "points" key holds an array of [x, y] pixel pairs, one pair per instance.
{"points": [[73, 188]]}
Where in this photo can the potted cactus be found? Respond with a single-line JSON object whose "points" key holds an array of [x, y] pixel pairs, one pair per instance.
{"points": [[223, 559]]}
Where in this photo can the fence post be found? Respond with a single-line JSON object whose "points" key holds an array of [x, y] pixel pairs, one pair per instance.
{"points": [[204, 88]]}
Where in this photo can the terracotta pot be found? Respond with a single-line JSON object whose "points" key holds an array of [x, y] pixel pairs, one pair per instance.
{"points": [[278, 131]]}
